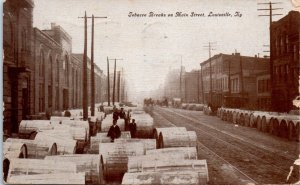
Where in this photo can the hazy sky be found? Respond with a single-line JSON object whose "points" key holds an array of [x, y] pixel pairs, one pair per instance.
{"points": [[150, 46]]}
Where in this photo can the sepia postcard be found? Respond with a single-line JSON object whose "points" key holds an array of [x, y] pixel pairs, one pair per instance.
{"points": [[151, 92]]}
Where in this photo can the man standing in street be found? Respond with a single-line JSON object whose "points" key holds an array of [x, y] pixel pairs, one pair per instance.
{"points": [[114, 131], [132, 128]]}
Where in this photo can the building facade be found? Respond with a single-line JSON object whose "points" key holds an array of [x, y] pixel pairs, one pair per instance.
{"points": [[40, 73], [286, 61], [17, 71], [230, 80]]}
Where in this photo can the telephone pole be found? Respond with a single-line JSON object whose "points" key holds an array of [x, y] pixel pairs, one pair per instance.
{"points": [[270, 15], [114, 83], [180, 83], [108, 83], [92, 72], [84, 94], [85, 89], [210, 48]]}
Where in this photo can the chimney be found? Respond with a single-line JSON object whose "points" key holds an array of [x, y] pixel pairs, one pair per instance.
{"points": [[255, 56]]}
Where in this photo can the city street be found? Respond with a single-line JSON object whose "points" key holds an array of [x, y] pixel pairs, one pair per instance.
{"points": [[235, 154]]}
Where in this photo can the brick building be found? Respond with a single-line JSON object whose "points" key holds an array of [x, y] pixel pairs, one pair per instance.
{"points": [[233, 80], [17, 33], [286, 61], [40, 74]]}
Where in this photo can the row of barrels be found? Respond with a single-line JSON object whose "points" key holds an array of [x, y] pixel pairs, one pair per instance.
{"points": [[156, 153], [174, 161], [25, 159], [192, 106], [278, 124]]}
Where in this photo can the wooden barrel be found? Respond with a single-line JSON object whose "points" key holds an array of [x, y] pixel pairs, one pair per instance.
{"points": [[294, 130], [56, 178], [163, 165], [14, 150], [157, 131], [59, 118], [224, 115], [76, 123], [102, 138], [177, 139], [265, 123], [160, 178], [38, 166], [29, 127], [144, 124], [89, 164], [258, 122], [36, 149], [115, 157], [64, 144], [108, 121], [149, 144], [247, 119], [188, 152], [135, 162], [100, 115]]}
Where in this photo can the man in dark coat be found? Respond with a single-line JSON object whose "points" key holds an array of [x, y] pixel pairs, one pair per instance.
{"points": [[114, 131], [116, 114], [132, 128]]}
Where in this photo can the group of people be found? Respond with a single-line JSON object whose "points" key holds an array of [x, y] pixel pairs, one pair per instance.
{"points": [[114, 131]]}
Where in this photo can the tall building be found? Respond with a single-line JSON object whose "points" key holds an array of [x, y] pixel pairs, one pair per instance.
{"points": [[230, 80], [17, 69], [286, 61], [40, 74]]}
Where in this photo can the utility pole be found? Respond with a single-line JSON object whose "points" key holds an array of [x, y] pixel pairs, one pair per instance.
{"points": [[92, 72], [198, 88], [180, 83], [202, 84], [84, 94], [119, 85], [114, 83], [108, 85], [270, 15], [210, 48], [85, 89]]}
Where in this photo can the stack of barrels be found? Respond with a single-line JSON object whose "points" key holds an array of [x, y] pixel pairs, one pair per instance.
{"points": [[45, 153], [278, 124], [173, 161]]}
